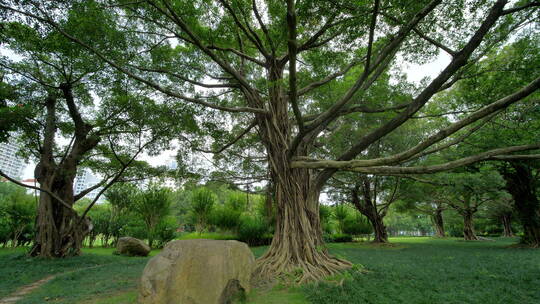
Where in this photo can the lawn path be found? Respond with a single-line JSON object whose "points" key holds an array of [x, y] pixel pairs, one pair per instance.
{"points": [[19, 294], [25, 290]]}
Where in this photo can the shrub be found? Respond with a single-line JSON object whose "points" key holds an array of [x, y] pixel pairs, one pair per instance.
{"points": [[325, 214], [202, 203], [17, 211], [152, 206], [132, 226], [265, 211], [341, 212], [225, 218], [4, 231], [327, 228], [166, 231], [357, 225], [254, 231], [339, 238], [236, 201], [100, 215]]}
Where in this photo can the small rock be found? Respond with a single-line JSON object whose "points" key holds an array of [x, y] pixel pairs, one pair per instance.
{"points": [[131, 246], [197, 272]]}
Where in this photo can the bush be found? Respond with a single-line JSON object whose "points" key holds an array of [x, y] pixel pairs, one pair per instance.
{"points": [[4, 231], [265, 211], [327, 228], [207, 236], [202, 203], [17, 215], [254, 231], [325, 214], [339, 238], [357, 225], [236, 201], [132, 226], [341, 212], [166, 231], [226, 219]]}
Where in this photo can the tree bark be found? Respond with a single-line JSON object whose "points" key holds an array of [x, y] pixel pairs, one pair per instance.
{"points": [[468, 226], [506, 220], [297, 246], [381, 235], [520, 184], [438, 222], [59, 231], [368, 208]]}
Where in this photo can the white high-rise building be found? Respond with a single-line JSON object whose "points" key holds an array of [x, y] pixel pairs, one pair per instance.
{"points": [[84, 180], [169, 182], [10, 163]]}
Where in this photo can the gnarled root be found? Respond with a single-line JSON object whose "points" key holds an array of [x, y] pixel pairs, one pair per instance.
{"points": [[315, 266]]}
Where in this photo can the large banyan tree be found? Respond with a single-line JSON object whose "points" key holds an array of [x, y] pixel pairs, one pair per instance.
{"points": [[73, 113], [288, 70]]}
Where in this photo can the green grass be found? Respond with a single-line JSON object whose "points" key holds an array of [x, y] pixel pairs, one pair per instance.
{"points": [[278, 295], [413, 270], [424, 270], [96, 272]]}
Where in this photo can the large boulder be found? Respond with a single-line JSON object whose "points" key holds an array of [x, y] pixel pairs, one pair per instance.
{"points": [[197, 272], [131, 246]]}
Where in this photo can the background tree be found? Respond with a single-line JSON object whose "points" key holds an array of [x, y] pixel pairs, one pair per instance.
{"points": [[499, 74], [426, 197], [522, 184], [501, 211], [202, 204], [152, 205], [82, 114], [468, 191], [17, 210], [371, 199]]}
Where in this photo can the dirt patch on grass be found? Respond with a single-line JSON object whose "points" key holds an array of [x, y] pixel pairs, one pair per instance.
{"points": [[19, 294]]}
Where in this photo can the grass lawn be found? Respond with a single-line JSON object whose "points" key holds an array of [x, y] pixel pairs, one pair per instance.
{"points": [[415, 270]]}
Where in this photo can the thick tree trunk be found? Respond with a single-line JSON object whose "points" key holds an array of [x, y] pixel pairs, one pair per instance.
{"points": [[438, 222], [506, 220], [58, 231], [297, 245], [468, 227], [381, 235], [520, 184]]}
